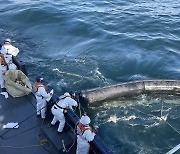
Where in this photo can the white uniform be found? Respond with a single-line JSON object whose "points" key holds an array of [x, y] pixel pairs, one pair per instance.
{"points": [[3, 70], [57, 111], [41, 96], [12, 66], [83, 140], [9, 49], [84, 137], [70, 102]]}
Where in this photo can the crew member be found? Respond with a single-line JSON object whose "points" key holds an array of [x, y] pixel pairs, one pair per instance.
{"points": [[3, 69], [84, 135], [69, 100], [12, 66], [41, 97], [58, 111], [8, 48]]}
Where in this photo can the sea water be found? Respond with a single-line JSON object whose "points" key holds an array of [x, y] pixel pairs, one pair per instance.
{"points": [[147, 123], [81, 44]]}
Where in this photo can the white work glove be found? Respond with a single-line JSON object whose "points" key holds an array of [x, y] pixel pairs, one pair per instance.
{"points": [[50, 95]]}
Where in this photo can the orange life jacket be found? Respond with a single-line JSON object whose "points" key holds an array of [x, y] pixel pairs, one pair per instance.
{"points": [[39, 84], [83, 128]]}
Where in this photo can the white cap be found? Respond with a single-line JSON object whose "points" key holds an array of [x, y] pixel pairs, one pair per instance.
{"points": [[67, 94], [8, 40], [85, 120]]}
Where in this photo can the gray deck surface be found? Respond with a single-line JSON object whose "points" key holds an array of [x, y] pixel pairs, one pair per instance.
{"points": [[56, 139], [18, 110]]}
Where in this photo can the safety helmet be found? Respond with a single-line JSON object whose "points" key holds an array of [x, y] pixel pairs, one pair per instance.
{"points": [[85, 120], [7, 40], [39, 79], [67, 94]]}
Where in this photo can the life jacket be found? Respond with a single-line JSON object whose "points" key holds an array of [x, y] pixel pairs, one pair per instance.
{"points": [[83, 128], [39, 84], [2, 60]]}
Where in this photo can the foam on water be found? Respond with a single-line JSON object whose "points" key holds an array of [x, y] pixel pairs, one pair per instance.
{"points": [[78, 45], [140, 116]]}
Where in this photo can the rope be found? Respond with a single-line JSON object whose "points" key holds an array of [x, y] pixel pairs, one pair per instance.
{"points": [[64, 147], [168, 122], [1, 136], [172, 127], [64, 55], [44, 141], [162, 108], [20, 147], [161, 118], [22, 132], [79, 107]]}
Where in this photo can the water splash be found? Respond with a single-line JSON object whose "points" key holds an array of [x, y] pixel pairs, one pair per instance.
{"points": [[138, 77], [71, 74], [62, 83], [113, 119]]}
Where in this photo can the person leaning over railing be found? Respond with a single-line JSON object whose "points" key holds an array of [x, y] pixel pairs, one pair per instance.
{"points": [[69, 100], [65, 102]]}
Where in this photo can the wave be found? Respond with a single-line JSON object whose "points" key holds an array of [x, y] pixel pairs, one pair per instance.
{"points": [[79, 45], [35, 16]]}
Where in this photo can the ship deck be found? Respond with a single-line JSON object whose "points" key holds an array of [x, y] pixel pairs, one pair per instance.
{"points": [[33, 134]]}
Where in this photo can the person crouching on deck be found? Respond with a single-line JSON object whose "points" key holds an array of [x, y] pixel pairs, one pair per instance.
{"points": [[41, 97], [84, 135]]}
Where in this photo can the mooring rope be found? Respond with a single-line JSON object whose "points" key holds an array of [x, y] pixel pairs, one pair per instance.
{"points": [[166, 121]]}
